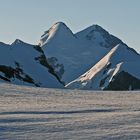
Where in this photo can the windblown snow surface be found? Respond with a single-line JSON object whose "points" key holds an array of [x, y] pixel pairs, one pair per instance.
{"points": [[40, 113]]}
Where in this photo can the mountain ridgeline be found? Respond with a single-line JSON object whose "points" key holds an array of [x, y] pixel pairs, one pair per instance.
{"points": [[91, 59]]}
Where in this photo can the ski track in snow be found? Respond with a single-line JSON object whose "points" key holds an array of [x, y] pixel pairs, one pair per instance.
{"points": [[39, 113]]}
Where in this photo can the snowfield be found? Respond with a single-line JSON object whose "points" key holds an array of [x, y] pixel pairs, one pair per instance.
{"points": [[40, 113]]}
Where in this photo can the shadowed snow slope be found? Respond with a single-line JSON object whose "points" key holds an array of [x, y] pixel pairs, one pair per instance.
{"points": [[21, 63], [90, 59], [73, 54]]}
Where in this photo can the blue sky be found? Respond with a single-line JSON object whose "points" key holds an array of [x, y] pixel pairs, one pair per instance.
{"points": [[28, 19]]}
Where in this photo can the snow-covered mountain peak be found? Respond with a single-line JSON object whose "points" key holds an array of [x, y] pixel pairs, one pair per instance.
{"points": [[119, 59], [66, 52], [96, 34], [59, 30], [25, 64], [18, 42], [60, 25], [91, 28], [90, 59]]}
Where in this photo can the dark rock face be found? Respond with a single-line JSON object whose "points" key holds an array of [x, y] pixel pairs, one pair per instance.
{"points": [[10, 73], [124, 81], [46, 62], [58, 68]]}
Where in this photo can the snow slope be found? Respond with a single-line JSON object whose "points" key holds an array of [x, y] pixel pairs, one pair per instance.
{"points": [[40, 113], [89, 59], [20, 64], [120, 58], [73, 54]]}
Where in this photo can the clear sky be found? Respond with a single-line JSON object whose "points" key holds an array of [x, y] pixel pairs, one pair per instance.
{"points": [[28, 19]]}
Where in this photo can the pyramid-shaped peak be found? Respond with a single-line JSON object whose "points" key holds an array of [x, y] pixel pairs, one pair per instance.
{"points": [[60, 24], [17, 41], [58, 31], [97, 34], [96, 27], [91, 29]]}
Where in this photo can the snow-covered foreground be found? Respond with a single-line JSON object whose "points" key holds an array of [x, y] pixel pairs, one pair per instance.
{"points": [[39, 114]]}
